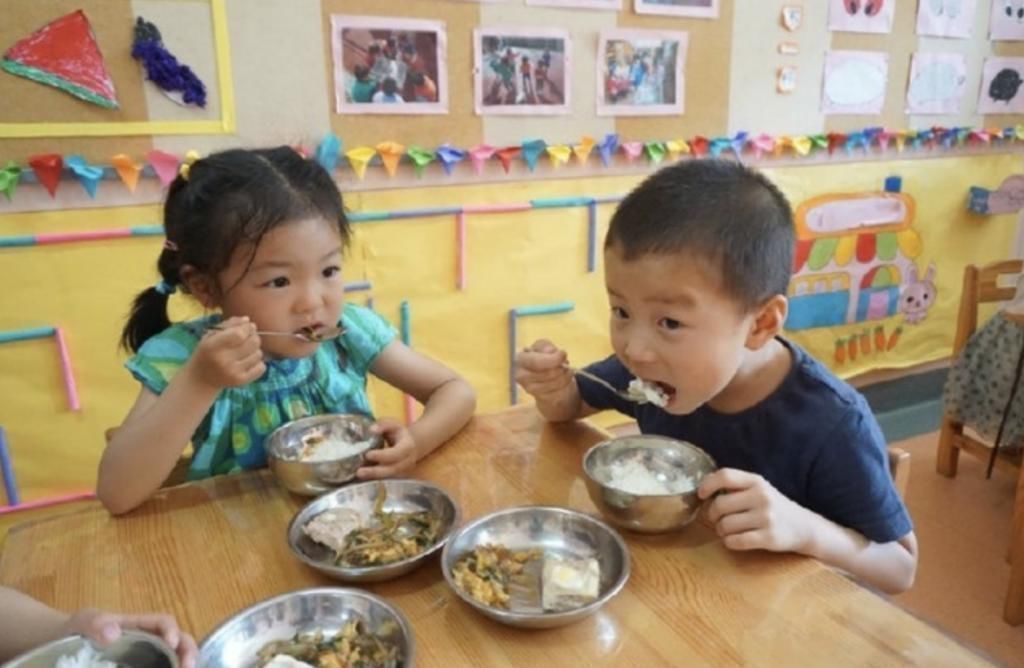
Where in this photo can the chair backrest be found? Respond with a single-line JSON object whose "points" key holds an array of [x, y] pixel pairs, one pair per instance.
{"points": [[981, 286], [899, 468]]}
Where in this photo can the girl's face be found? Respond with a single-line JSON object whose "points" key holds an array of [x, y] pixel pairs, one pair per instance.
{"points": [[293, 282]]}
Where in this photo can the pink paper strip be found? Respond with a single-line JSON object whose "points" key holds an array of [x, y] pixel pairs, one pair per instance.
{"points": [[94, 235], [410, 408], [70, 387], [496, 208], [460, 250], [46, 503]]}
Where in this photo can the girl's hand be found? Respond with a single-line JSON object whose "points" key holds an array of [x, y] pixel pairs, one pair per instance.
{"points": [[540, 370], [104, 628], [754, 515], [396, 458], [230, 356]]}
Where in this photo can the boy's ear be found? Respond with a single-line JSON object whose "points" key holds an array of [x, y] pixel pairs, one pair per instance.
{"points": [[200, 286], [768, 321]]}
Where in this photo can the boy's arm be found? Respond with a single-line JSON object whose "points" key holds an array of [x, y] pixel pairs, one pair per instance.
{"points": [[753, 515]]}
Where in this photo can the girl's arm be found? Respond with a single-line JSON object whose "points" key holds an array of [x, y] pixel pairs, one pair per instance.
{"points": [[143, 451], [448, 400]]}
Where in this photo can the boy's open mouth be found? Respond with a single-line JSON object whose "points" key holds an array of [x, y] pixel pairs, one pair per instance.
{"points": [[668, 390]]}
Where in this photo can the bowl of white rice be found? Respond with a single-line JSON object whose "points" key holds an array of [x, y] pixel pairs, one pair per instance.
{"points": [[134, 649], [646, 483], [314, 455]]}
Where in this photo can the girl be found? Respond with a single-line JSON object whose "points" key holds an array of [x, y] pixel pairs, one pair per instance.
{"points": [[258, 236]]}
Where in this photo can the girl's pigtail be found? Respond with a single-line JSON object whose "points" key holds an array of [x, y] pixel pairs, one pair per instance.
{"points": [[148, 316]]}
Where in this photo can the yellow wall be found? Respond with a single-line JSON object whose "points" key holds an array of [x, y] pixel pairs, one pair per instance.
{"points": [[513, 259]]}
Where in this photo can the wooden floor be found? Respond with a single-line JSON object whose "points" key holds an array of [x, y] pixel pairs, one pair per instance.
{"points": [[963, 525]]}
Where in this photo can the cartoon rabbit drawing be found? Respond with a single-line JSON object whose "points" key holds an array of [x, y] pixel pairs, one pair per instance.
{"points": [[919, 295]]}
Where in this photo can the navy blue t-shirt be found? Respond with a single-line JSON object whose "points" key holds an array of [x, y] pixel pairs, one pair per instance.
{"points": [[814, 439]]}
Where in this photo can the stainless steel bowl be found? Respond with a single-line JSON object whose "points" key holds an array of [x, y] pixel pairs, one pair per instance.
{"points": [[669, 460], [134, 649], [555, 531], [284, 446], [236, 642], [403, 496]]}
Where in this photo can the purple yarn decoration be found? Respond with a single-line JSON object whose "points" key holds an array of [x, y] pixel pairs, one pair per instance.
{"points": [[162, 68]]}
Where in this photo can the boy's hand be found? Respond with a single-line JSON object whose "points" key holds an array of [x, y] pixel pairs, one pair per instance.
{"points": [[104, 628], [541, 371], [753, 515], [230, 356], [396, 458]]}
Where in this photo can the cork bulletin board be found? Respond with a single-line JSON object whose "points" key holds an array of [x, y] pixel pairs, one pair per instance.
{"points": [[32, 113]]}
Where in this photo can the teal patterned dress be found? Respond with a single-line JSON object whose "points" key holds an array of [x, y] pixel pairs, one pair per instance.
{"points": [[230, 437]]}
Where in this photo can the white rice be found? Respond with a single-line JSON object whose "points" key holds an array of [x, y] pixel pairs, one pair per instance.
{"points": [[335, 448], [633, 477], [645, 392], [86, 657]]}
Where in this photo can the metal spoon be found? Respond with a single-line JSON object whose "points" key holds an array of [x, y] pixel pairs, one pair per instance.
{"points": [[309, 335], [604, 383]]}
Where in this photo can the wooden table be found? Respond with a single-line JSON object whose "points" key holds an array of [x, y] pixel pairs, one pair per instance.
{"points": [[206, 550]]}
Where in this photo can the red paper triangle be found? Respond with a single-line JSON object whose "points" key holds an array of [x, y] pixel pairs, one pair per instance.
{"points": [[507, 154], [64, 54], [48, 169], [164, 164]]}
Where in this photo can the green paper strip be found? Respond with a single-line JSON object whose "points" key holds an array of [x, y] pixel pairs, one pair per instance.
{"points": [[9, 178], [655, 151], [49, 79], [821, 141]]}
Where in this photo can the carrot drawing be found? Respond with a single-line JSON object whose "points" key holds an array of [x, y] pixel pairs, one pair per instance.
{"points": [[894, 338], [880, 339], [840, 351], [851, 347], [865, 342]]}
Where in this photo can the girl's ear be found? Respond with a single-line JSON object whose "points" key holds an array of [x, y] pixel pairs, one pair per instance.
{"points": [[200, 286]]}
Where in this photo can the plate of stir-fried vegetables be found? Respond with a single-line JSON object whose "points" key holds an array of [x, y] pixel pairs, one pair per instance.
{"points": [[373, 530], [351, 647]]}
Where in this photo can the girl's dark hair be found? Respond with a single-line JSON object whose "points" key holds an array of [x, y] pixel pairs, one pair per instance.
{"points": [[228, 199]]}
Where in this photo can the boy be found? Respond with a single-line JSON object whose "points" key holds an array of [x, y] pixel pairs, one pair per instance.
{"points": [[26, 623], [697, 264]]}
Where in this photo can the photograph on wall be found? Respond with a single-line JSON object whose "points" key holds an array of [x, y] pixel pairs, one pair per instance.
{"points": [[614, 5], [855, 82], [937, 82], [946, 18], [640, 72], [704, 9], [1001, 86], [386, 65], [872, 16], [1006, 21], [522, 71]]}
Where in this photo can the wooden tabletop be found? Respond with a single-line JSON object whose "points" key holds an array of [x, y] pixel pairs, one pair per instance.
{"points": [[206, 550]]}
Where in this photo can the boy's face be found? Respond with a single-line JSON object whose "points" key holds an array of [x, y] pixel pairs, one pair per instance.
{"points": [[673, 324]]}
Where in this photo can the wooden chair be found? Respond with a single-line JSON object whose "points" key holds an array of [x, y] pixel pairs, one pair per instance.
{"points": [[899, 467], [981, 286]]}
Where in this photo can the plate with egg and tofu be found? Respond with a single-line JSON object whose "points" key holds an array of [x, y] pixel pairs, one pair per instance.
{"points": [[536, 566]]}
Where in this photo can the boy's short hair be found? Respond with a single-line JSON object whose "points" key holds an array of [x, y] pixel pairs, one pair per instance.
{"points": [[717, 209]]}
